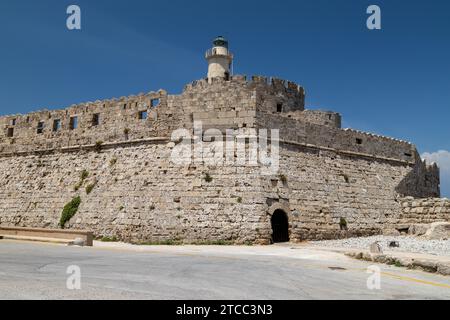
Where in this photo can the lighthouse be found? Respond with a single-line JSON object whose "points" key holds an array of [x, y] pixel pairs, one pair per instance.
{"points": [[219, 59]]}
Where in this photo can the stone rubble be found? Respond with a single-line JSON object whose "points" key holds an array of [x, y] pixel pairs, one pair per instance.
{"points": [[407, 244]]}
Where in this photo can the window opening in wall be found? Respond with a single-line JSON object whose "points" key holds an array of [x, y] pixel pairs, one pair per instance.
{"points": [[10, 132], [155, 102], [40, 127], [408, 154], [73, 123], [143, 115], [13, 122], [96, 119], [56, 125], [359, 141], [279, 107]]}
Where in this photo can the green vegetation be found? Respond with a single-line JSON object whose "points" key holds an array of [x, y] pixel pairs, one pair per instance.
{"points": [[160, 243], [69, 211], [208, 178], [109, 239], [343, 224], [239, 200], [90, 187], [83, 177], [112, 162]]}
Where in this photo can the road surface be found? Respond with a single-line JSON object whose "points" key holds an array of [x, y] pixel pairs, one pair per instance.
{"points": [[115, 271]]}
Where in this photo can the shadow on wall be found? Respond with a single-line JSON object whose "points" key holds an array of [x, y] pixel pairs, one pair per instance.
{"points": [[421, 182]]}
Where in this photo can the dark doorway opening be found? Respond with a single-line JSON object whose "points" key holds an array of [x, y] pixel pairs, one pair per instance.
{"points": [[280, 227]]}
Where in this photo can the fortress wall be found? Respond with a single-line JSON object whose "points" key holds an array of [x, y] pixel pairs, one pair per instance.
{"points": [[424, 211], [324, 118], [119, 120], [220, 104], [322, 187], [326, 173], [139, 196], [341, 140]]}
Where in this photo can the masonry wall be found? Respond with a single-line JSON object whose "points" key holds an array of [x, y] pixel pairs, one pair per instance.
{"points": [[139, 196], [423, 211], [321, 188], [119, 119]]}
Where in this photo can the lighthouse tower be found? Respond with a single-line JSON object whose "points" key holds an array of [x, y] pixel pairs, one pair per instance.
{"points": [[219, 59]]}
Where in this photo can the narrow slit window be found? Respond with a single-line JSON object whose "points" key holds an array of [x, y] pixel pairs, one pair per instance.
{"points": [[73, 123], [279, 107], [10, 132], [56, 125], [96, 119], [13, 122], [40, 127], [143, 115]]}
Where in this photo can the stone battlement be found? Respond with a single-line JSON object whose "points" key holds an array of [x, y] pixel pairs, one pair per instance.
{"points": [[272, 82], [258, 102]]}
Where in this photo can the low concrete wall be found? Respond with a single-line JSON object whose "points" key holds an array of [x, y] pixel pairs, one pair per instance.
{"points": [[87, 236]]}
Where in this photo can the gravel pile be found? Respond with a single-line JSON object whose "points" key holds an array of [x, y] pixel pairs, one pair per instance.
{"points": [[407, 244]]}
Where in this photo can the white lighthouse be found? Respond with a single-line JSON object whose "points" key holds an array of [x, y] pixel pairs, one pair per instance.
{"points": [[219, 59]]}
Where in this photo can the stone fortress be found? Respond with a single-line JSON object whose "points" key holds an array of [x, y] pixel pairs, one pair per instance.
{"points": [[115, 154]]}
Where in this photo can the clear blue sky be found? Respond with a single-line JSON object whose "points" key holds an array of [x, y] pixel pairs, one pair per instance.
{"points": [[394, 82]]}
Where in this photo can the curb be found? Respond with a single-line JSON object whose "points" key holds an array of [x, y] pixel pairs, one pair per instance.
{"points": [[431, 266]]}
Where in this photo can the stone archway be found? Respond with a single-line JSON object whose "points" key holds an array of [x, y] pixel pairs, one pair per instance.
{"points": [[280, 226]]}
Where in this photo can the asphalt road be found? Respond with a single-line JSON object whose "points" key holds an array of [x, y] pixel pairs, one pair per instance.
{"points": [[38, 271]]}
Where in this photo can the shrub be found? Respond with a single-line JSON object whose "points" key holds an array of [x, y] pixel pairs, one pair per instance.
{"points": [[208, 178], [109, 239], [69, 211], [343, 224], [113, 161], [84, 175], [239, 200], [90, 187]]}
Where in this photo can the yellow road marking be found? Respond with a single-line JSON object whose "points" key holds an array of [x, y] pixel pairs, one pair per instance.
{"points": [[442, 285]]}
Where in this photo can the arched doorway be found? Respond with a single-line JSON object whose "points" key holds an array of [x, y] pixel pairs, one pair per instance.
{"points": [[280, 227]]}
